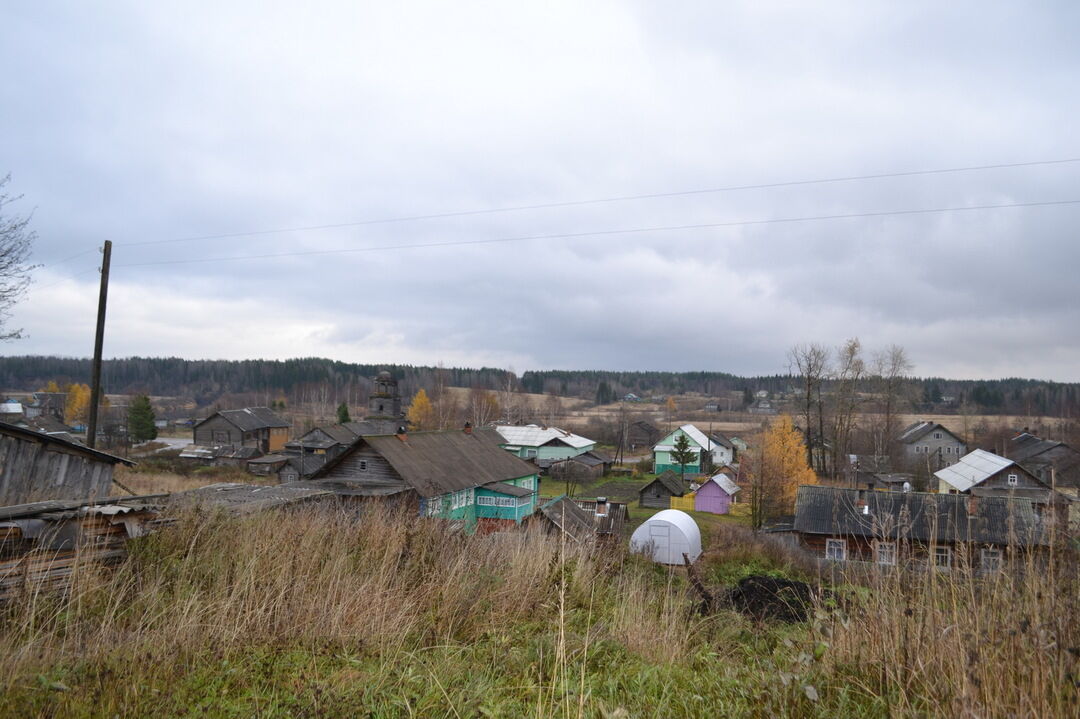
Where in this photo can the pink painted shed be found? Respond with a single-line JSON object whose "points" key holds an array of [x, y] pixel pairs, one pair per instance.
{"points": [[715, 495]]}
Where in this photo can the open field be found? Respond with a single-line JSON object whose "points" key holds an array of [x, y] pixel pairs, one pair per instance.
{"points": [[313, 613]]}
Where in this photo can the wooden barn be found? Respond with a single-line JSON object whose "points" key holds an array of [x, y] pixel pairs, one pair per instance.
{"points": [[716, 495], [658, 493], [36, 466], [256, 427]]}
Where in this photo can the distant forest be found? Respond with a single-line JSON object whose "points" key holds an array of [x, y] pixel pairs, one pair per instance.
{"points": [[307, 379]]}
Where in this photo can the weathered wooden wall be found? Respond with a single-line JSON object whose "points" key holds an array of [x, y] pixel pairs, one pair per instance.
{"points": [[31, 470]]}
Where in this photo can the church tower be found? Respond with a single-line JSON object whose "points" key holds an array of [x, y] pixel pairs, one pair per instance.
{"points": [[385, 399]]}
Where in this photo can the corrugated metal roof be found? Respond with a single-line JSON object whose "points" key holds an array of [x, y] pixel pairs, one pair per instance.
{"points": [[570, 518], [533, 435], [694, 434], [972, 469], [725, 483]]}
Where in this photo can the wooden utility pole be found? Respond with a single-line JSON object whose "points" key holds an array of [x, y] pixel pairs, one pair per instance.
{"points": [[99, 339]]}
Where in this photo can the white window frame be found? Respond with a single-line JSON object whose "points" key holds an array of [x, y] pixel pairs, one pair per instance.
{"points": [[832, 544], [937, 435], [991, 560], [1012, 480], [485, 500], [530, 453], [887, 558], [943, 552]]}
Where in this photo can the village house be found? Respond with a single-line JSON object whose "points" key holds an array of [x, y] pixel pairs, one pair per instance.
{"points": [[926, 447], [583, 520], [934, 530], [985, 474], [1055, 463], [533, 441], [459, 475], [36, 466], [642, 434], [256, 427], [717, 452], [657, 493], [47, 403]]}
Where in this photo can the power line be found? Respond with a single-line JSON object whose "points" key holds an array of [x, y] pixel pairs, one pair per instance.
{"points": [[596, 201], [602, 233], [65, 279], [69, 259]]}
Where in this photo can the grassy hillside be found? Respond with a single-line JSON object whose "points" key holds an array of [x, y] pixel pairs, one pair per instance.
{"points": [[313, 613]]}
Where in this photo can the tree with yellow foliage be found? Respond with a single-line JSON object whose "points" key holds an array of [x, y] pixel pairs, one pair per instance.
{"points": [[670, 408], [77, 406], [51, 387], [421, 414], [778, 470]]}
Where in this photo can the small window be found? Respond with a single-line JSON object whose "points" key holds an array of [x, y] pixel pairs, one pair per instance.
{"points": [[990, 560], [1013, 480], [937, 435], [363, 465], [836, 549], [943, 557], [885, 553], [530, 453]]}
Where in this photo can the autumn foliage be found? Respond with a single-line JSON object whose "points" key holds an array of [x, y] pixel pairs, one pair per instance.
{"points": [[421, 414], [778, 470]]}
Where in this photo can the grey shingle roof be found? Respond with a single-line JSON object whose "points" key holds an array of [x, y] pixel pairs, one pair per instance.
{"points": [[435, 463], [570, 518], [509, 489], [917, 516], [251, 418], [916, 431], [671, 482]]}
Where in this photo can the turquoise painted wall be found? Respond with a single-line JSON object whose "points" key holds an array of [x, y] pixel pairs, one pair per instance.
{"points": [[473, 510], [662, 459], [546, 452]]}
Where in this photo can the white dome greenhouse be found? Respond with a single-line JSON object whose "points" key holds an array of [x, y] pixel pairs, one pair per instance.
{"points": [[667, 536]]}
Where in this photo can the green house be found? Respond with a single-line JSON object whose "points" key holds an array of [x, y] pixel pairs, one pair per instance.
{"points": [[719, 450], [532, 441], [457, 475]]}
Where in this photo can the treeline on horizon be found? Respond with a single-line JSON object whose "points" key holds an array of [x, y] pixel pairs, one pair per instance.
{"points": [[205, 381]]}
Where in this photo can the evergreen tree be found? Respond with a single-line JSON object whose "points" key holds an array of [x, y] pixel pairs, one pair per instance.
{"points": [[343, 413], [682, 454], [141, 419]]}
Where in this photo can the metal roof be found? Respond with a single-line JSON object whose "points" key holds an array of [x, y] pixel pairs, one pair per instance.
{"points": [[565, 514], [670, 481], [509, 489], [725, 483], [972, 469], [916, 431], [533, 435], [695, 434]]}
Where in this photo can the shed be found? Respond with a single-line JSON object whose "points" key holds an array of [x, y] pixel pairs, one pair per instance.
{"points": [[715, 495], [658, 493], [667, 536]]}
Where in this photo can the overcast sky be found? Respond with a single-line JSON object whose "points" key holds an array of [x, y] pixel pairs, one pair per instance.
{"points": [[144, 122]]}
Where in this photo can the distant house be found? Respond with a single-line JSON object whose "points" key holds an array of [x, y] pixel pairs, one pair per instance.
{"points": [[929, 445], [642, 434], [47, 403], [300, 466], [1055, 463], [890, 528], [630, 397], [657, 494], [11, 410], [463, 476], [762, 406], [533, 441], [716, 495], [256, 427], [862, 468], [36, 466], [717, 453], [330, 440], [984, 474], [584, 520], [584, 466]]}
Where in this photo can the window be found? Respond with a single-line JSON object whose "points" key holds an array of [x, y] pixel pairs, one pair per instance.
{"points": [[990, 560], [504, 502], [434, 506], [530, 453], [943, 557], [885, 552], [485, 501], [937, 435], [1013, 480], [528, 483], [363, 465], [836, 549], [523, 501]]}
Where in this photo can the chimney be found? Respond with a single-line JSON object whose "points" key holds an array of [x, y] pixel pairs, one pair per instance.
{"points": [[601, 507], [402, 434], [467, 429]]}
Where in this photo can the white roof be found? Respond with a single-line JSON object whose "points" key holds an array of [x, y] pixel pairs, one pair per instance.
{"points": [[725, 483], [972, 469], [667, 535], [693, 433], [533, 435]]}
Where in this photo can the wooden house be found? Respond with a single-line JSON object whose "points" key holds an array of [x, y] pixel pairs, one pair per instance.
{"points": [[256, 427], [929, 446], [583, 520], [938, 530], [36, 466], [708, 452], [986, 474], [533, 441], [1055, 463], [458, 475], [716, 495], [658, 493], [642, 434]]}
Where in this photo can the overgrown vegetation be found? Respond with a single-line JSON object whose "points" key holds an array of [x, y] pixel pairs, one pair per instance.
{"points": [[319, 613]]}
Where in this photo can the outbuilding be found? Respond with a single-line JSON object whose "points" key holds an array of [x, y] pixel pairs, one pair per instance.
{"points": [[657, 494], [667, 536], [716, 495]]}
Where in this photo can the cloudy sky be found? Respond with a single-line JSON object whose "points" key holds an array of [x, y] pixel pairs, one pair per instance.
{"points": [[151, 124]]}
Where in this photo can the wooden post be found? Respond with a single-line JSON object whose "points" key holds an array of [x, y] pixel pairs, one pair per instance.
{"points": [[99, 339]]}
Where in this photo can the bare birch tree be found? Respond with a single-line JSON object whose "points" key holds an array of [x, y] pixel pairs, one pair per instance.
{"points": [[891, 368], [811, 362], [846, 400], [16, 242]]}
